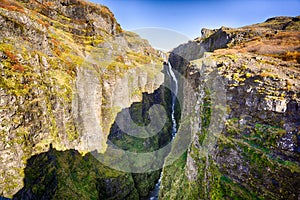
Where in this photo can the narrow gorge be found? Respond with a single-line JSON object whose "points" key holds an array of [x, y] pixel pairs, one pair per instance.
{"points": [[91, 111], [241, 99], [154, 194]]}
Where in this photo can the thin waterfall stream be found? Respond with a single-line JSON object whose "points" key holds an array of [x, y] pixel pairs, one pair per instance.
{"points": [[174, 96], [174, 88]]}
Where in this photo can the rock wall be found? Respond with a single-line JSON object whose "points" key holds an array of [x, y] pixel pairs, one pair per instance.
{"points": [[69, 175], [243, 115], [64, 66]]}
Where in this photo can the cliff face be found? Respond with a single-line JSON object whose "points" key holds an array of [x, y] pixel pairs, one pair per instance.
{"points": [[242, 104], [67, 69], [69, 175]]}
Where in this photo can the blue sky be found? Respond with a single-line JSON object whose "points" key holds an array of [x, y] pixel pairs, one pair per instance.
{"points": [[189, 16]]}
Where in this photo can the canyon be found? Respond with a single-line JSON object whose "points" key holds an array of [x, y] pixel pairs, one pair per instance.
{"points": [[73, 82]]}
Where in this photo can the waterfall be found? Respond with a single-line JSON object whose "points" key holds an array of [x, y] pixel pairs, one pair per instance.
{"points": [[174, 95], [175, 84], [174, 88]]}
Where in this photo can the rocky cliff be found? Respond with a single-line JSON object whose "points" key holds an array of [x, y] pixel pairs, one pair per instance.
{"points": [[69, 73], [67, 68], [241, 105]]}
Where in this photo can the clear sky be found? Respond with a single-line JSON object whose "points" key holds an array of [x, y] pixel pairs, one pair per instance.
{"points": [[189, 16]]}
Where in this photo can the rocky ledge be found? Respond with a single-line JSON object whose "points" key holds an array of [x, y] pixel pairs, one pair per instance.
{"points": [[53, 56], [242, 104]]}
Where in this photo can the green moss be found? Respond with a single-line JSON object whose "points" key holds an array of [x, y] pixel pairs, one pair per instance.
{"points": [[71, 131], [238, 77], [175, 183], [261, 136], [232, 126], [68, 175], [230, 189], [206, 110], [232, 57], [44, 93], [257, 144]]}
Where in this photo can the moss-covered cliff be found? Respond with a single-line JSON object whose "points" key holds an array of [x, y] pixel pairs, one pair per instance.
{"points": [[252, 150], [152, 164], [67, 68], [69, 175]]}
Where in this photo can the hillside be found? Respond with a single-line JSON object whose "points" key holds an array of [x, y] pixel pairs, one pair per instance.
{"points": [[64, 68], [243, 86], [71, 79]]}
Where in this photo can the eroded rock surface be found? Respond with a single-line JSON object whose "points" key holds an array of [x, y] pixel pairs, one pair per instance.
{"points": [[66, 70], [253, 152]]}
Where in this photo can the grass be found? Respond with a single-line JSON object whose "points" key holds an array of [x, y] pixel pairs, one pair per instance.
{"points": [[43, 83], [230, 189], [11, 6]]}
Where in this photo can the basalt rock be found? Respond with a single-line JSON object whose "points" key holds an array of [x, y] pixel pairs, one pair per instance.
{"points": [[243, 113], [66, 70]]}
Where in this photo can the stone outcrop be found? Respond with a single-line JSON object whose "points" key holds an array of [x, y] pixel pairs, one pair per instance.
{"points": [[64, 69], [68, 70], [243, 114]]}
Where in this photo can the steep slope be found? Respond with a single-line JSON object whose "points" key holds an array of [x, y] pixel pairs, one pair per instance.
{"points": [[69, 175], [241, 104], [67, 68]]}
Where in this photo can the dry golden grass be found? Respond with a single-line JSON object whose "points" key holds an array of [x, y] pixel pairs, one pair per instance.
{"points": [[11, 56], [43, 23], [49, 3], [284, 45], [11, 5], [279, 43], [227, 51], [18, 67], [288, 56]]}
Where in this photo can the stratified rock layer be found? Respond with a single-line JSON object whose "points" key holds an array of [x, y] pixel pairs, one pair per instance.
{"points": [[66, 70], [243, 113]]}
